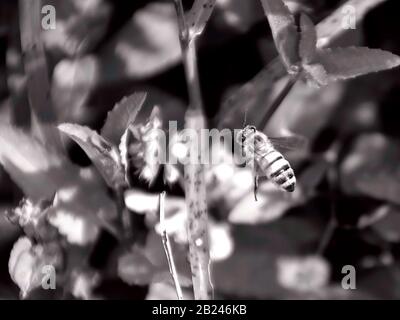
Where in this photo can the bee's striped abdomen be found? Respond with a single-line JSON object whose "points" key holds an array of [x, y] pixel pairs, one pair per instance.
{"points": [[278, 169]]}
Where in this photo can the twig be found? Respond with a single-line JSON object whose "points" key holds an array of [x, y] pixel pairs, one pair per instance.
{"points": [[167, 247], [328, 234], [194, 176], [124, 215], [277, 102]]}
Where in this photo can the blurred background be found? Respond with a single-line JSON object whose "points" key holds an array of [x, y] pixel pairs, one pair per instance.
{"points": [[347, 207]]}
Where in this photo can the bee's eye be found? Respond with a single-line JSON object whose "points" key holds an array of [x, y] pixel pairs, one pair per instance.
{"points": [[253, 128]]}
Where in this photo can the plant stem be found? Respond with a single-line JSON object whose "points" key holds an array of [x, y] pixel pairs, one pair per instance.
{"points": [[194, 175], [167, 247], [327, 235], [277, 102], [333, 223], [189, 56]]}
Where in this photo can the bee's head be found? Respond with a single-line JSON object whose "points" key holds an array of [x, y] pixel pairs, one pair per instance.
{"points": [[245, 133]]}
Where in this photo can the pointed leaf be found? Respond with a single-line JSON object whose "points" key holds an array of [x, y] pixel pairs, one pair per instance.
{"points": [[199, 15], [103, 155], [308, 39], [346, 63], [31, 164], [284, 31], [123, 114]]}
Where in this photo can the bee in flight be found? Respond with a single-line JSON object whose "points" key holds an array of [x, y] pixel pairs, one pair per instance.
{"points": [[267, 160]]}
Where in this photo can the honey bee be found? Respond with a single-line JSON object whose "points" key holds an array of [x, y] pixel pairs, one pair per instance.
{"points": [[267, 160]]}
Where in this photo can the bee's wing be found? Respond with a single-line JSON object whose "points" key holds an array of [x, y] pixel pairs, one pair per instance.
{"points": [[289, 143]]}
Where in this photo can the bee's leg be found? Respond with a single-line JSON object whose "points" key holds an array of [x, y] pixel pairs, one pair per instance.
{"points": [[255, 187]]}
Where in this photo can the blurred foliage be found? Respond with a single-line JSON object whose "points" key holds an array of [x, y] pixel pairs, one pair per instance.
{"points": [[103, 50]]}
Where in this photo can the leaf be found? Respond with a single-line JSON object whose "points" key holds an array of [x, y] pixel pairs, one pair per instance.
{"points": [[372, 168], [316, 75], [221, 241], [21, 266], [346, 63], [146, 45], [171, 174], [80, 26], [308, 39], [387, 224], [104, 155], [199, 15], [123, 114], [284, 31], [83, 283], [26, 263], [72, 84], [164, 291], [255, 91], [77, 229], [141, 202], [31, 164], [81, 208], [135, 268]]}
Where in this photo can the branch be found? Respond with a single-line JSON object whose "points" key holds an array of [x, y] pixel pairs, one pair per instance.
{"points": [[255, 92], [167, 247], [277, 102]]}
